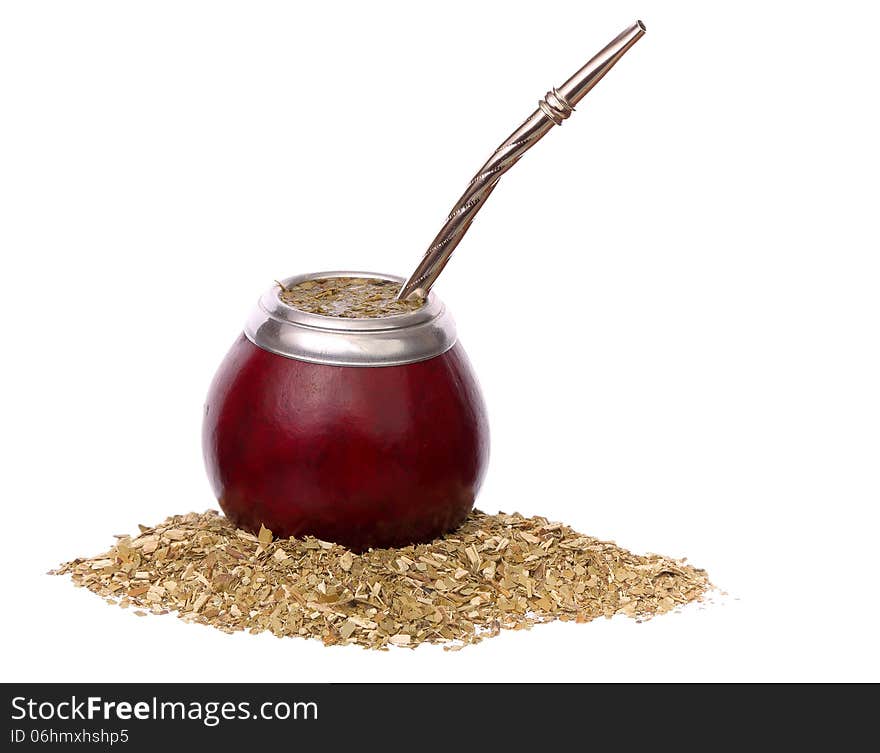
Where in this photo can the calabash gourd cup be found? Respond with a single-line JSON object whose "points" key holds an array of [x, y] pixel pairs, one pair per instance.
{"points": [[366, 432]]}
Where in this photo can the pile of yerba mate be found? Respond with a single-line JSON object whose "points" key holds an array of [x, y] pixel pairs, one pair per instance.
{"points": [[496, 571]]}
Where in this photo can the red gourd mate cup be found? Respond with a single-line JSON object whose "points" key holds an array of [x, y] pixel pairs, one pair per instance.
{"points": [[368, 432]]}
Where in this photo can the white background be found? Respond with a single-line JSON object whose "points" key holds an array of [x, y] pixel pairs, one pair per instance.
{"points": [[708, 383]]}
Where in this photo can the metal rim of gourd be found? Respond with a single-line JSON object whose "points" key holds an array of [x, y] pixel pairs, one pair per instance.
{"points": [[393, 340]]}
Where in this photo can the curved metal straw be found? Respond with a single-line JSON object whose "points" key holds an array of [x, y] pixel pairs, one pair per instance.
{"points": [[557, 105]]}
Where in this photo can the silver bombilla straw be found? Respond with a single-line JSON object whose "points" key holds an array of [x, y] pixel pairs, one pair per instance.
{"points": [[557, 105]]}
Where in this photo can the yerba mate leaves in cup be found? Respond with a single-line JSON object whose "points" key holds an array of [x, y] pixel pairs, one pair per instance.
{"points": [[495, 572], [349, 297]]}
